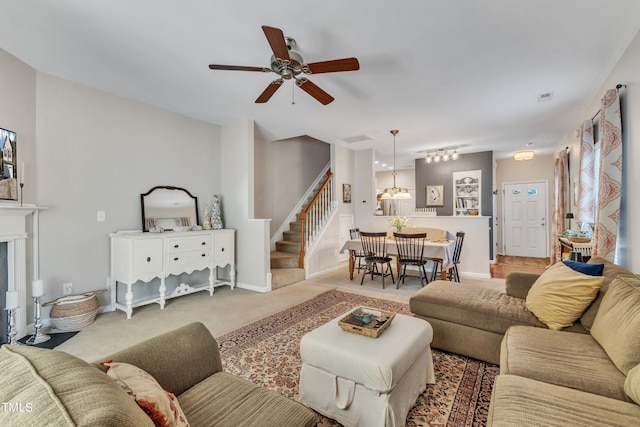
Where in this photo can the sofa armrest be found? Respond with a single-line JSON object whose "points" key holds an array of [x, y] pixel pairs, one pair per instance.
{"points": [[178, 359], [518, 284]]}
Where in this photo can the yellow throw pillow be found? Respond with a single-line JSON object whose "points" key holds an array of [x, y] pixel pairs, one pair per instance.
{"points": [[632, 384], [160, 405], [560, 295]]}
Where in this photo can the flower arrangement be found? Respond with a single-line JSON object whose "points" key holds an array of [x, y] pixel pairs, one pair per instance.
{"points": [[399, 222]]}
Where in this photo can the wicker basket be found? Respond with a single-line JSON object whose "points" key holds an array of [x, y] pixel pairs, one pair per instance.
{"points": [[349, 324], [74, 312]]}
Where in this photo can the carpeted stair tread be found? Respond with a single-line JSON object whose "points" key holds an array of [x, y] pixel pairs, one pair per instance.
{"points": [[283, 246], [286, 276], [284, 260], [291, 236]]}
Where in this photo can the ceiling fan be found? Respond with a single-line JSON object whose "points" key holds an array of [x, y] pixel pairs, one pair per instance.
{"points": [[289, 65]]}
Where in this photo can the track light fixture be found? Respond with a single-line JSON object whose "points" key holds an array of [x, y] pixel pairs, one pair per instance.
{"points": [[442, 155]]}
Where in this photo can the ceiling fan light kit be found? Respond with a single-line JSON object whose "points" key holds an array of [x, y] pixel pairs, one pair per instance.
{"points": [[289, 64]]}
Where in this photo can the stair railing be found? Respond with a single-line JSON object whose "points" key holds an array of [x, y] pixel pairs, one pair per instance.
{"points": [[314, 216]]}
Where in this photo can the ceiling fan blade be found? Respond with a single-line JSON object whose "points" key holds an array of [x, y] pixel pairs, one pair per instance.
{"points": [[346, 64], [269, 91], [275, 37], [312, 89], [238, 68]]}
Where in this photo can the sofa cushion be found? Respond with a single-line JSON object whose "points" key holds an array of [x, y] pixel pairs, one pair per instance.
{"points": [[561, 294], [561, 358], [610, 272], [160, 405], [471, 305], [48, 380], [632, 384], [520, 401], [232, 401], [617, 323]]}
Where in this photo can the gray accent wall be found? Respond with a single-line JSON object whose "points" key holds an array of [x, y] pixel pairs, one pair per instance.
{"points": [[442, 174]]}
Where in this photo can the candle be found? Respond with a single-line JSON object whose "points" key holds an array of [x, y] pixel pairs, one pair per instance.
{"points": [[12, 300], [37, 288]]}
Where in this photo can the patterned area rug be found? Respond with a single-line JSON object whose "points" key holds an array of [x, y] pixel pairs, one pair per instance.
{"points": [[267, 353]]}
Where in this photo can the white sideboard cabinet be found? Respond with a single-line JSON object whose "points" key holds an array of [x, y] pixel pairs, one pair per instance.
{"points": [[142, 257]]}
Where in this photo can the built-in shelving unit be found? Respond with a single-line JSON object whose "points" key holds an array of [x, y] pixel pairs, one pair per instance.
{"points": [[467, 194]]}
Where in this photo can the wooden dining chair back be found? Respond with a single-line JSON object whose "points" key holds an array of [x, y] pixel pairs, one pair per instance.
{"points": [[375, 252], [453, 271], [354, 234], [411, 252]]}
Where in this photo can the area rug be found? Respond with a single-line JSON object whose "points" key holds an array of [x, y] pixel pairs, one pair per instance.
{"points": [[267, 352]]}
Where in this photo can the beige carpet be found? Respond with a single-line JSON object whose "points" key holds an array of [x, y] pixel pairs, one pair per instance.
{"points": [[225, 311]]}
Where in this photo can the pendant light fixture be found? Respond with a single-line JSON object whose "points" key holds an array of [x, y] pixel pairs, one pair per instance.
{"points": [[395, 193]]}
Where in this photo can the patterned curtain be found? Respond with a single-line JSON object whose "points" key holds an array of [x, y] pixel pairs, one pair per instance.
{"points": [[587, 194], [561, 177], [610, 178]]}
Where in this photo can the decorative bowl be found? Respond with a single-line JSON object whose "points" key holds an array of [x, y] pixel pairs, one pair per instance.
{"points": [[473, 212], [362, 316]]}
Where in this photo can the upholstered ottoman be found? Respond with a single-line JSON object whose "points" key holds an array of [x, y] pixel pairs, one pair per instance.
{"points": [[362, 381]]}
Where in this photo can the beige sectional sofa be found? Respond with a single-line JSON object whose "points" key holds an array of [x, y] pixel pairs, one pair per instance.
{"points": [[585, 375], [472, 319], [52, 388]]}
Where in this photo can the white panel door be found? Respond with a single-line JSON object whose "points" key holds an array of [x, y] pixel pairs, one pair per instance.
{"points": [[525, 215]]}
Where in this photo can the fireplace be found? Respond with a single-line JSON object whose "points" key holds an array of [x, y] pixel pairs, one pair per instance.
{"points": [[15, 222]]}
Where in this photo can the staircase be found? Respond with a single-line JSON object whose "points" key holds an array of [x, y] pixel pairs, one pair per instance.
{"points": [[287, 261]]}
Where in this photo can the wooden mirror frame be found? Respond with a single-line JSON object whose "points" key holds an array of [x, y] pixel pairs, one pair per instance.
{"points": [[188, 211]]}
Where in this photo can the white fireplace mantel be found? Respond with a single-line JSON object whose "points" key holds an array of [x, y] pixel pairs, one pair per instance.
{"points": [[13, 231]]}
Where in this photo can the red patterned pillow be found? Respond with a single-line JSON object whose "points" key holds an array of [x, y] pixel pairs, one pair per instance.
{"points": [[161, 406]]}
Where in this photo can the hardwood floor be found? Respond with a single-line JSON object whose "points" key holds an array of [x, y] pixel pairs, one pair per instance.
{"points": [[506, 264]]}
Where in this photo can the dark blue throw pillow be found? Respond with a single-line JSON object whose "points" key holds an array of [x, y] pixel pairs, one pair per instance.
{"points": [[583, 267]]}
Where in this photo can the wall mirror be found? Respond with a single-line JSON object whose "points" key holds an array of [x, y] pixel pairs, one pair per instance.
{"points": [[168, 207]]}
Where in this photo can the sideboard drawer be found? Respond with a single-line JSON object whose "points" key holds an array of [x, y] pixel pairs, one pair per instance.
{"points": [[189, 257], [186, 244]]}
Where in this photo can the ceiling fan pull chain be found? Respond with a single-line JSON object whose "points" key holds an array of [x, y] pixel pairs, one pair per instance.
{"points": [[293, 94]]}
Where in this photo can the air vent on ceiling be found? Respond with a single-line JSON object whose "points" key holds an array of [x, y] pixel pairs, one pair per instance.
{"points": [[357, 138]]}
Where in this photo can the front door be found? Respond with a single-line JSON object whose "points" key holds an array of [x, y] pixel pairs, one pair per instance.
{"points": [[525, 215]]}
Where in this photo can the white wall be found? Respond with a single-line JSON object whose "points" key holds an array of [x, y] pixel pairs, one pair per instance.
{"points": [[627, 71], [325, 252], [237, 180], [284, 170], [96, 151]]}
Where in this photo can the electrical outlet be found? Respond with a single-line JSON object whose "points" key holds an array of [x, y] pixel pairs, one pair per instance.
{"points": [[67, 288], [101, 216]]}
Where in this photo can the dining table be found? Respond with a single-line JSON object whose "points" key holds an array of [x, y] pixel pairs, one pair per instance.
{"points": [[438, 250]]}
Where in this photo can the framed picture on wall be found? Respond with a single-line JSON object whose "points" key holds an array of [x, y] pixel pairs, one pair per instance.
{"points": [[8, 166], [346, 193], [435, 195]]}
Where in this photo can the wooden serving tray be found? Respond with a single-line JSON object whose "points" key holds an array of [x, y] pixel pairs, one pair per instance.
{"points": [[372, 329]]}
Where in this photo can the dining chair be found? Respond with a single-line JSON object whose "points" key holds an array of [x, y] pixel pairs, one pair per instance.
{"points": [[411, 252], [452, 273], [354, 234], [375, 251]]}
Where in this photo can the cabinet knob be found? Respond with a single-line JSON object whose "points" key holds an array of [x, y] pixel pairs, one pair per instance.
{"points": [[176, 258], [176, 246], [222, 250], [148, 259], [204, 243], [204, 255]]}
